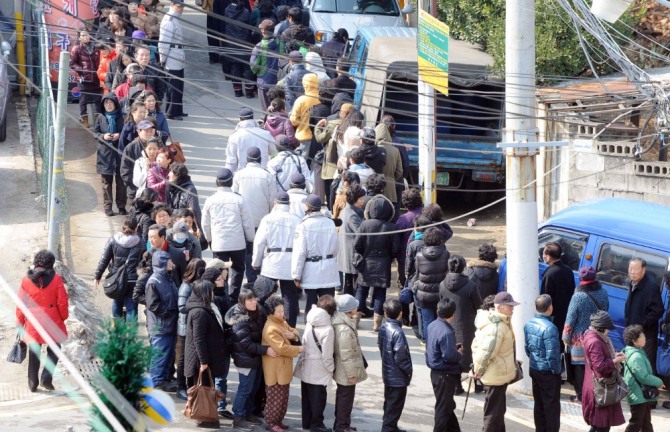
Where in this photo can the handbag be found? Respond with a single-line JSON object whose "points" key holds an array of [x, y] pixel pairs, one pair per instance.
{"points": [[518, 375], [176, 152], [18, 352], [202, 400], [608, 391], [116, 283], [648, 392]]}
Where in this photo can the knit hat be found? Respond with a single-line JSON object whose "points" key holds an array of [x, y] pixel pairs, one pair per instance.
{"points": [[224, 174], [505, 298], [587, 274], [295, 56], [283, 198], [246, 113], [313, 202], [283, 143], [139, 34], [602, 320], [298, 180], [219, 264], [346, 303], [253, 154]]}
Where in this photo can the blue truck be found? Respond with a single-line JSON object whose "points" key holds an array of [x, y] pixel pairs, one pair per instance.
{"points": [[384, 65]]}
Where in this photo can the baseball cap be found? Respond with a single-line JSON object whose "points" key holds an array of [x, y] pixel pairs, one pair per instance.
{"points": [[295, 56], [253, 154], [180, 231], [224, 174], [298, 179], [145, 124], [505, 298]]}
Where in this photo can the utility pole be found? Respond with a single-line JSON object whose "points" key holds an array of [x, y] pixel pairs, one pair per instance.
{"points": [[57, 192], [427, 126], [520, 128]]}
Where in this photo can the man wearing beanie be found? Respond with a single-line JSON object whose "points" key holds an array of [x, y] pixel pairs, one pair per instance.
{"points": [[313, 264], [258, 187], [228, 226], [286, 163], [349, 361], [298, 194], [272, 249], [248, 134]]}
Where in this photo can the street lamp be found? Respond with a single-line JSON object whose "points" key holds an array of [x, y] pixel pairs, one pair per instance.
{"points": [[610, 10]]}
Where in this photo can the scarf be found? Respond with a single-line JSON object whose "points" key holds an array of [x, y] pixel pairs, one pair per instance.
{"points": [[111, 120]]}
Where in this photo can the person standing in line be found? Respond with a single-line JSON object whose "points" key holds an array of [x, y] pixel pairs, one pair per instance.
{"points": [[483, 272], [396, 365], [84, 61], [443, 358], [494, 359], [134, 150], [351, 217], [349, 361], [544, 351], [236, 40], [298, 194], [301, 111], [644, 305], [411, 200], [158, 240], [258, 188], [248, 134], [313, 264], [286, 163], [228, 227], [216, 27], [264, 61], [638, 374], [162, 318], [43, 293], [559, 282], [181, 193], [172, 56], [272, 251]]}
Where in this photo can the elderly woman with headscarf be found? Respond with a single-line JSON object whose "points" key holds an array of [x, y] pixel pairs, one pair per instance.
{"points": [[314, 64]]}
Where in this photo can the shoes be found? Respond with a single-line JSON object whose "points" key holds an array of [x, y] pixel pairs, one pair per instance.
{"points": [[32, 386], [575, 399], [275, 428], [366, 313], [283, 425], [238, 93], [405, 322], [321, 429], [184, 114], [666, 405], [169, 386], [175, 118], [123, 212], [181, 394], [208, 424], [84, 122], [459, 390], [109, 213], [226, 414], [213, 60], [240, 424], [253, 420], [47, 386], [377, 323]]}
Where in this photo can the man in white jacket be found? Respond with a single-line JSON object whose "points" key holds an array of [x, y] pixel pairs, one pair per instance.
{"points": [[287, 163], [258, 188], [248, 134], [228, 226], [313, 264], [273, 246], [298, 194]]}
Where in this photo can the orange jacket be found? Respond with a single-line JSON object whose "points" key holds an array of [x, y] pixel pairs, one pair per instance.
{"points": [[104, 67]]}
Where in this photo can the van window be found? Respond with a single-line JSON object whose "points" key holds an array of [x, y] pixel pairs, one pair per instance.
{"points": [[353, 55], [613, 264], [376, 7], [572, 244]]}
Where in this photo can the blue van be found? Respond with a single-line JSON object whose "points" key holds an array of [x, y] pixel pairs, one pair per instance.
{"points": [[606, 234]]}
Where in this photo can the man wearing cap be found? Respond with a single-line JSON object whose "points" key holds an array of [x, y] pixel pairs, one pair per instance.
{"points": [[264, 61], [132, 152], [228, 226], [171, 50], [293, 81], [258, 188], [298, 194], [286, 163], [272, 251], [494, 359], [178, 237], [313, 264], [559, 282], [248, 134]]}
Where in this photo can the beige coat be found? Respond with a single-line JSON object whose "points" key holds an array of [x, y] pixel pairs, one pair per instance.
{"points": [[348, 353], [279, 370], [493, 348], [393, 167]]}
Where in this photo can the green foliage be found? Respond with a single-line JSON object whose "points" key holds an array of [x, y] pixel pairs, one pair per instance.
{"points": [[558, 51], [125, 360]]}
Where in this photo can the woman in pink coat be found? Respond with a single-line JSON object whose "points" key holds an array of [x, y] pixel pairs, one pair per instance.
{"points": [[44, 294], [158, 174]]}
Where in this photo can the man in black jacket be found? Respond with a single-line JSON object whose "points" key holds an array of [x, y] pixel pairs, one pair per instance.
{"points": [[644, 305], [559, 282], [158, 241], [443, 358]]}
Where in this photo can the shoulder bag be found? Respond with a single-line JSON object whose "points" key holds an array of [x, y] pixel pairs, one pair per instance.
{"points": [[18, 352], [608, 391], [116, 283], [202, 400], [648, 392]]}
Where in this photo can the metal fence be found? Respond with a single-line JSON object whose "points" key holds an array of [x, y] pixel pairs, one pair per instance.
{"points": [[52, 180]]}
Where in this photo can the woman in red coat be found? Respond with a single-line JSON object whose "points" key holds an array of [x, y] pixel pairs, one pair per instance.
{"points": [[44, 294], [601, 361]]}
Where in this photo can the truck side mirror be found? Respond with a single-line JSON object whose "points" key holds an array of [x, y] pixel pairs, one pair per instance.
{"points": [[408, 9]]}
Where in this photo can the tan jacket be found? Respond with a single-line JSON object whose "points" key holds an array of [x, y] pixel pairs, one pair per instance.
{"points": [[348, 353], [300, 114], [279, 370], [393, 167], [493, 348]]}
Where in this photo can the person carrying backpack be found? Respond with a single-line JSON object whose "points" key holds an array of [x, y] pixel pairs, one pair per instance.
{"points": [[264, 61]]}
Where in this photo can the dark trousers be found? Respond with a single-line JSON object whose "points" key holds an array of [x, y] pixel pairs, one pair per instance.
{"points": [[394, 402], [578, 379], [313, 297], [640, 418], [215, 29], [650, 348], [263, 96], [162, 362], [313, 404], [547, 396], [175, 93], [344, 403], [599, 429], [348, 283], [378, 297], [108, 196], [326, 188], [89, 94], [34, 354], [495, 406], [236, 271], [249, 271], [289, 293], [443, 387], [181, 379]]}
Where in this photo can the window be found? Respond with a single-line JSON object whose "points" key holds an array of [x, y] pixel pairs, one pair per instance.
{"points": [[376, 7], [572, 244], [613, 261]]}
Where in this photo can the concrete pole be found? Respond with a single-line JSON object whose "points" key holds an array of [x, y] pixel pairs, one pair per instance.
{"points": [[56, 193], [427, 127], [522, 246]]}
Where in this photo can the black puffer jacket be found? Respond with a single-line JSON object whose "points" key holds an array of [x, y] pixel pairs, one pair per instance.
{"points": [[375, 157], [458, 288], [484, 275], [204, 339], [247, 335], [378, 250], [431, 268], [141, 212], [161, 298], [183, 194], [108, 157], [119, 248], [396, 359]]}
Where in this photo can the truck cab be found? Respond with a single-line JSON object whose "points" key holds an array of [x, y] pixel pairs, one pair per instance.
{"points": [[385, 69]]}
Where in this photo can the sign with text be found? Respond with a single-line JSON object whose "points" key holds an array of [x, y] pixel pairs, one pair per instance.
{"points": [[433, 46]]}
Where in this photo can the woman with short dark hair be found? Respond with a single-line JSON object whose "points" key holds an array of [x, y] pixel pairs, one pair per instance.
{"points": [[483, 272]]}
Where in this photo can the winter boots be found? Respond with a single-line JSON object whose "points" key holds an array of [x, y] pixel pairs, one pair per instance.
{"points": [[377, 322], [84, 122]]}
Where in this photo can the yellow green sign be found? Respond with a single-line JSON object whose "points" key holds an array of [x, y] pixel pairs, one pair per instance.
{"points": [[433, 41]]}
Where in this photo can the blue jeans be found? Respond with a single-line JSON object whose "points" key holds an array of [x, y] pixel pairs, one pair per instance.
{"points": [[428, 315], [161, 362], [130, 305], [243, 405], [221, 382], [378, 297]]}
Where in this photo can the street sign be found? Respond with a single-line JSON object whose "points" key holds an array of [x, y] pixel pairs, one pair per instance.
{"points": [[433, 47]]}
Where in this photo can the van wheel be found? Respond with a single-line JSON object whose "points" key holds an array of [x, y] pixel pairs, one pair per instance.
{"points": [[3, 129]]}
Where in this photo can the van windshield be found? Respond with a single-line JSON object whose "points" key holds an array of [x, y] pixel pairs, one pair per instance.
{"points": [[373, 7]]}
